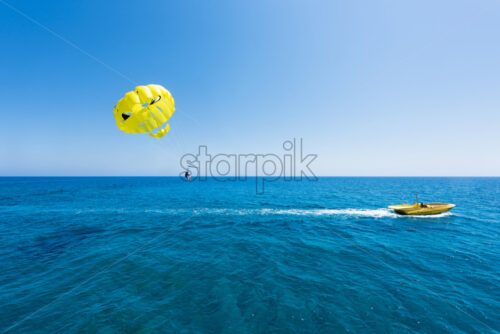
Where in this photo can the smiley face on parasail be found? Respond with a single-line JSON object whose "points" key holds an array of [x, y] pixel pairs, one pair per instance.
{"points": [[145, 110]]}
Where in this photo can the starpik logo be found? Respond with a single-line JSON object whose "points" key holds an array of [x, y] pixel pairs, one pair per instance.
{"points": [[291, 165]]}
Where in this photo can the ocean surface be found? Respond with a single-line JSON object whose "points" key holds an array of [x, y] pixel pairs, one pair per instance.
{"points": [[148, 255]]}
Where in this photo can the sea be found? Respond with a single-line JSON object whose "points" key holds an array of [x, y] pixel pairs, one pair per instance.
{"points": [[161, 255]]}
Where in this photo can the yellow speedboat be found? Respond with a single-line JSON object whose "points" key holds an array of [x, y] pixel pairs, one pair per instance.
{"points": [[421, 208]]}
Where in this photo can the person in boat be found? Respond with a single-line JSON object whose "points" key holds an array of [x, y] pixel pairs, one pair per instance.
{"points": [[422, 205], [187, 175]]}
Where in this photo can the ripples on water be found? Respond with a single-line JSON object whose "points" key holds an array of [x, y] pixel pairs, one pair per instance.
{"points": [[117, 255]]}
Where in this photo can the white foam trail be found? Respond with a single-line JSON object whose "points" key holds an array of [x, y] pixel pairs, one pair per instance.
{"points": [[375, 213]]}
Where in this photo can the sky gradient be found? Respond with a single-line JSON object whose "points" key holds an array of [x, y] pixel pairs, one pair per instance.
{"points": [[385, 88]]}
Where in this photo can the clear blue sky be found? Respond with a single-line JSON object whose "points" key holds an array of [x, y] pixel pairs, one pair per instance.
{"points": [[373, 87]]}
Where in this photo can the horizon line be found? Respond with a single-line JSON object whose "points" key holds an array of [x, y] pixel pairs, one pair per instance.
{"points": [[250, 177]]}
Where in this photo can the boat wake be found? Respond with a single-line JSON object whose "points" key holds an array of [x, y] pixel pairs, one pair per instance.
{"points": [[373, 213]]}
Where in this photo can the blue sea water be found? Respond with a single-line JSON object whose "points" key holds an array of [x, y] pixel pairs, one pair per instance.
{"points": [[144, 255]]}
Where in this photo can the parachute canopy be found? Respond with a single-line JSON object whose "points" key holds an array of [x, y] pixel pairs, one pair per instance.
{"points": [[145, 110]]}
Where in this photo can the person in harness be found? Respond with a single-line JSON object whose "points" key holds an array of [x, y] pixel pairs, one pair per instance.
{"points": [[187, 175]]}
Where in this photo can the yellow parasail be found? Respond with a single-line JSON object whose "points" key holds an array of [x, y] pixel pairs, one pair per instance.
{"points": [[145, 110]]}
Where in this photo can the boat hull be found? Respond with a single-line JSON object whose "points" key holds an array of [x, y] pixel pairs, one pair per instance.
{"points": [[417, 210]]}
